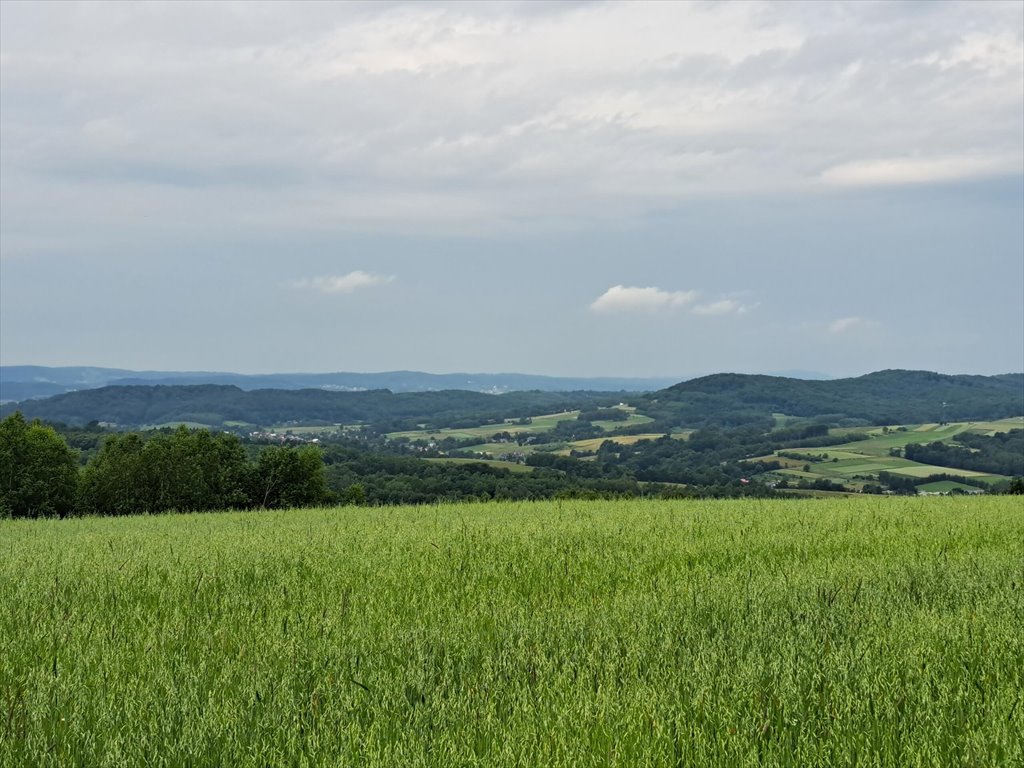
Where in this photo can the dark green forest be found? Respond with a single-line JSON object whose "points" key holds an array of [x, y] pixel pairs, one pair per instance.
{"points": [[1002, 454], [885, 397]]}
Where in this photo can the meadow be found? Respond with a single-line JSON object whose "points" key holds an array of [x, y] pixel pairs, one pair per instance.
{"points": [[819, 632], [851, 462]]}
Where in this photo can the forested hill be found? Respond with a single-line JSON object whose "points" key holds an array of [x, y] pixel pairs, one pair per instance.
{"points": [[885, 397], [213, 405], [24, 382], [726, 400]]}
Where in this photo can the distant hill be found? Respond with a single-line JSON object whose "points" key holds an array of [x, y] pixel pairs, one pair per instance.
{"points": [[216, 404], [885, 397], [727, 399], [24, 382]]}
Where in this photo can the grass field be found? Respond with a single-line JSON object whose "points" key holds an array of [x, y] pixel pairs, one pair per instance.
{"points": [[869, 457], [543, 423], [496, 449], [631, 421], [945, 486], [512, 466], [537, 425], [818, 632]]}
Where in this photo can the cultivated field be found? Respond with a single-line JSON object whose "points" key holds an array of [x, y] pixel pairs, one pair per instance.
{"points": [[544, 423], [818, 632], [851, 462]]}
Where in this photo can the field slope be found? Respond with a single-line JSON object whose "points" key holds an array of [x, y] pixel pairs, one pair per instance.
{"points": [[877, 631]]}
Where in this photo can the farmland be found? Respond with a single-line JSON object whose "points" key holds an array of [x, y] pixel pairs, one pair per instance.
{"points": [[878, 631], [855, 462], [533, 425], [530, 427]]}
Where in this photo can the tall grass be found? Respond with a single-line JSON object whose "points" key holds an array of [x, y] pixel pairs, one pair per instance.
{"points": [[822, 632]]}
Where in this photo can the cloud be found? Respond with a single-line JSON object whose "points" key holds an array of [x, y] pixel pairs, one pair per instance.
{"points": [[846, 324], [923, 170], [621, 298], [380, 116], [342, 283], [722, 307]]}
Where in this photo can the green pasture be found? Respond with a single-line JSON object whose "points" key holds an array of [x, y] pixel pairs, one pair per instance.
{"points": [[880, 444], [945, 486], [869, 457], [509, 465], [911, 469], [816, 632], [538, 424], [593, 443], [632, 421], [325, 429], [497, 449], [994, 427]]}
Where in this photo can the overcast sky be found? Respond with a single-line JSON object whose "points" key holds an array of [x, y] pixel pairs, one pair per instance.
{"points": [[559, 188]]}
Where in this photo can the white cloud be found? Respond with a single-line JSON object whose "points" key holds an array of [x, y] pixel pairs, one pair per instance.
{"points": [[845, 324], [722, 307], [342, 283], [923, 170], [334, 116], [621, 298]]}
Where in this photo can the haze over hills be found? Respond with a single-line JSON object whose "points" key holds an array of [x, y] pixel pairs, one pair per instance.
{"points": [[24, 382]]}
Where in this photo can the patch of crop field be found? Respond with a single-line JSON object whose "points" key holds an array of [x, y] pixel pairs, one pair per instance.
{"points": [[991, 428], [497, 449], [538, 424], [239, 424], [850, 469], [784, 461], [496, 463], [829, 453], [911, 469], [327, 429], [843, 431], [799, 473], [593, 443], [835, 631], [632, 421], [881, 444], [945, 486], [814, 632]]}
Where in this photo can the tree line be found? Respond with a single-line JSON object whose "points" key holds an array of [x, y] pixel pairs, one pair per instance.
{"points": [[183, 470]]}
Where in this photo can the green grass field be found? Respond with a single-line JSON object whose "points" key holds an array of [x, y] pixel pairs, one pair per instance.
{"points": [[818, 632], [537, 425], [496, 449], [945, 486], [869, 457], [593, 443], [632, 420], [543, 423], [512, 466]]}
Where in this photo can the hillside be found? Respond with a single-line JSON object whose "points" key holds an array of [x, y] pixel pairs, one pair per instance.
{"points": [[726, 400], [884, 397], [214, 405], [23, 382]]}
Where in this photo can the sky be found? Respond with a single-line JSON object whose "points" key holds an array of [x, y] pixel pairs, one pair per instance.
{"points": [[572, 189]]}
